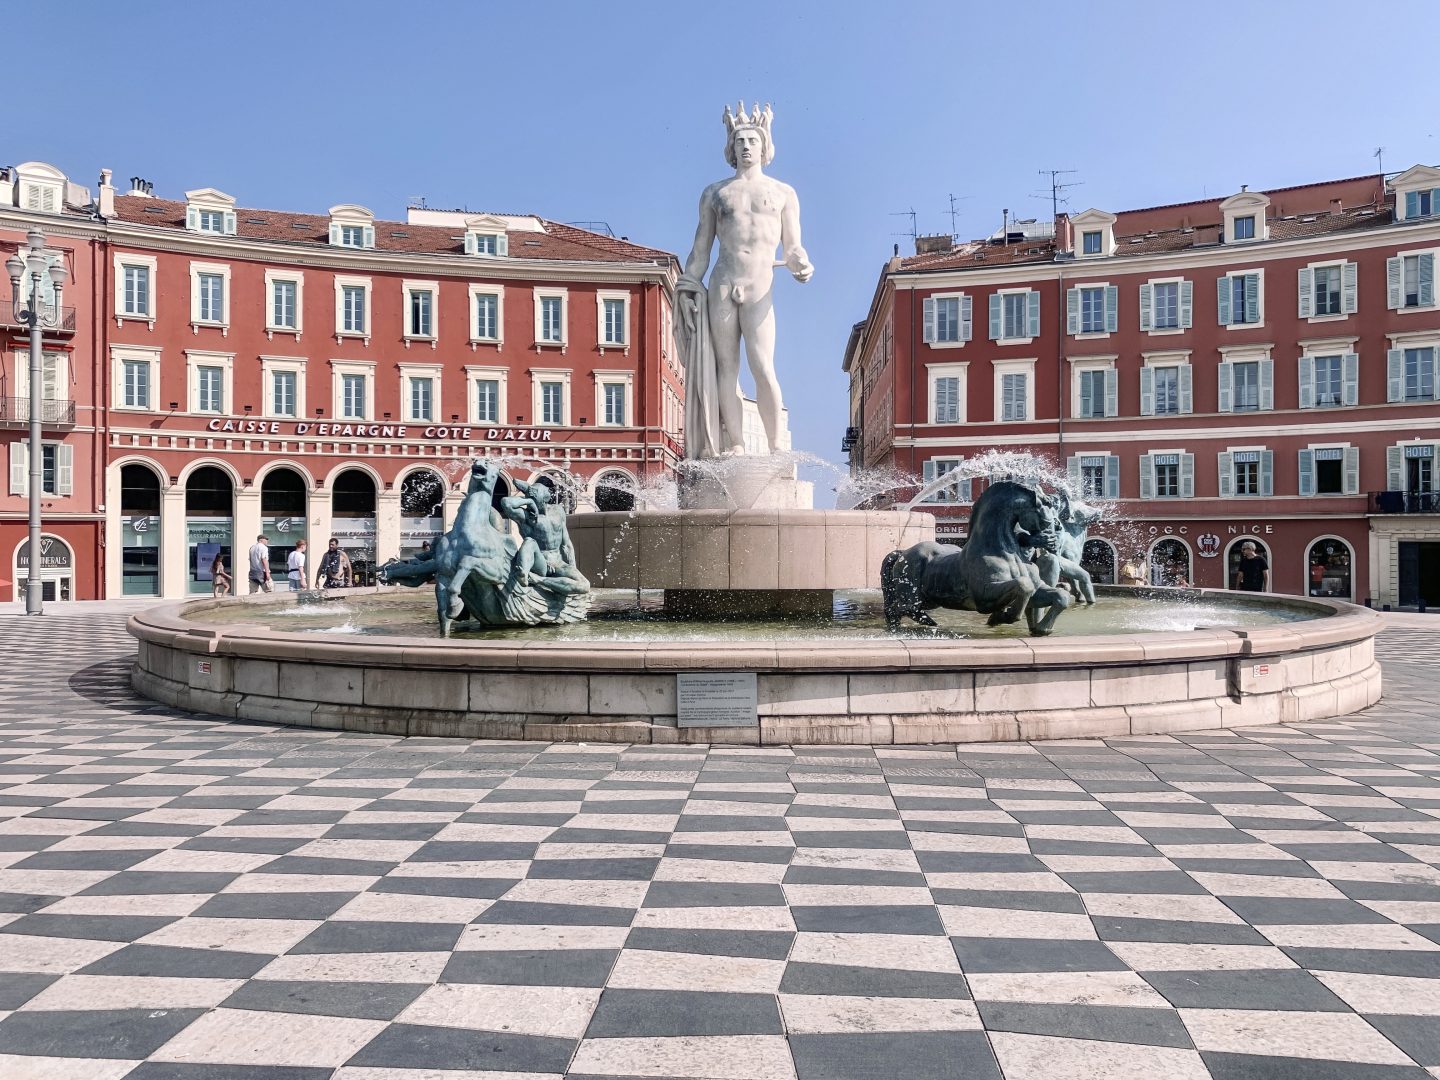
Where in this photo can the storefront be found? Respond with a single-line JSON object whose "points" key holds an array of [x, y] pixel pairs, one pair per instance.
{"points": [[57, 568], [209, 526], [139, 531], [1332, 569], [422, 511]]}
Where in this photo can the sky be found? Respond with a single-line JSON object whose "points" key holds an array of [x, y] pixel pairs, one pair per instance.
{"points": [[612, 112]]}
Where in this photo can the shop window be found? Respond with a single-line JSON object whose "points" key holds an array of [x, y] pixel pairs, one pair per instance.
{"points": [[1236, 579], [614, 491], [282, 516], [209, 526], [139, 531], [1097, 559], [1331, 569], [1170, 563]]}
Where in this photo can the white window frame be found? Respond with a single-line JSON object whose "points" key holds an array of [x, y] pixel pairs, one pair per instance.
{"points": [[1345, 311], [1434, 253], [475, 373], [1179, 282], [602, 295], [64, 468], [1315, 492], [1246, 204], [1014, 367], [221, 270], [1413, 339], [56, 358], [548, 293], [1313, 348], [1416, 178], [1168, 358], [433, 372], [1259, 323], [958, 370], [614, 378], [353, 216], [539, 376], [407, 289], [1079, 364], [149, 262], [477, 291], [340, 368], [1247, 354], [341, 282], [961, 323], [119, 354], [269, 365], [963, 489], [1146, 467], [1081, 334], [1094, 220], [1076, 478], [210, 201], [198, 358], [1024, 291], [298, 279], [1231, 451]]}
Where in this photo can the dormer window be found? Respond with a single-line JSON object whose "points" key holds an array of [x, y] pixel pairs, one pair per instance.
{"points": [[352, 236], [1245, 217], [210, 211], [211, 221], [1245, 227], [1092, 242], [352, 227], [42, 187], [486, 235], [1417, 193], [1096, 230]]}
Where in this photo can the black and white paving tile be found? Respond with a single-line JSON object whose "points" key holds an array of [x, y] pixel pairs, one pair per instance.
{"points": [[183, 898]]}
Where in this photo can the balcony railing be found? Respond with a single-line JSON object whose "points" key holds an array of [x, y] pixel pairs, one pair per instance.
{"points": [[1405, 502], [10, 316], [53, 412]]}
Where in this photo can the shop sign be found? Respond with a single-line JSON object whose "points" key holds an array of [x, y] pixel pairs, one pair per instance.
{"points": [[54, 554], [1233, 530], [281, 524], [1092, 460], [1208, 545], [329, 430], [1424, 451], [1246, 457], [1165, 459], [141, 531]]}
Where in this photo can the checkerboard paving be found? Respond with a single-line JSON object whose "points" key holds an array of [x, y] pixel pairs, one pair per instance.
{"points": [[184, 898]]}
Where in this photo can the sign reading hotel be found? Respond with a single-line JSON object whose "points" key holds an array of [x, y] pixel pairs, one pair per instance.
{"points": [[333, 430]]}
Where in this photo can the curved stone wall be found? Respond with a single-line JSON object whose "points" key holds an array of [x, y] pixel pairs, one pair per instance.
{"points": [[870, 692]]}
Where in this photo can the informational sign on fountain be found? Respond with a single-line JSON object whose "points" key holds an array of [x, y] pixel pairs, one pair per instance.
{"points": [[716, 699]]}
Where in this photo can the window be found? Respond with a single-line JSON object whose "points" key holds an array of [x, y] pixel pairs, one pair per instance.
{"points": [[421, 313], [1329, 381], [1245, 378], [283, 396], [57, 468], [1247, 473], [352, 397], [1095, 393], [613, 321], [485, 243], [136, 299], [1164, 390], [1247, 477], [1092, 242], [947, 319], [550, 328], [422, 397], [1420, 203], [284, 308], [1245, 227], [487, 316], [1419, 474], [49, 461], [1330, 470], [212, 297], [352, 236], [1015, 325], [946, 404], [1238, 298], [1165, 309], [1092, 310], [1094, 476], [209, 389], [210, 221], [1326, 290], [552, 403], [487, 401], [136, 380], [1167, 476], [957, 491], [1411, 280], [352, 308], [1419, 374], [614, 404], [1014, 395], [1015, 315], [1247, 383]]}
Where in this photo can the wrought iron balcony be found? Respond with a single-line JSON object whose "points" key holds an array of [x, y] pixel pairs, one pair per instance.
{"points": [[852, 436], [64, 320], [54, 412], [1405, 502]]}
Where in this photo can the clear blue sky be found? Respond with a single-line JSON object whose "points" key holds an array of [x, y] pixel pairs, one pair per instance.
{"points": [[583, 111]]}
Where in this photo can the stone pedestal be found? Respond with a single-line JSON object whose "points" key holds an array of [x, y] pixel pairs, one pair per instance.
{"points": [[743, 483]]}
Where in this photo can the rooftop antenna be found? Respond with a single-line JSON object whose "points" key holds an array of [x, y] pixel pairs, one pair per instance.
{"points": [[417, 202], [1057, 188], [953, 212], [913, 233], [1380, 157]]}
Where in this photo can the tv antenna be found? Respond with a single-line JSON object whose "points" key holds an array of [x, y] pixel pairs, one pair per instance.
{"points": [[1057, 188], [913, 233], [953, 212], [1379, 156]]}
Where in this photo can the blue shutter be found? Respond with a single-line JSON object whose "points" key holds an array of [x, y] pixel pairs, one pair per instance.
{"points": [[19, 468], [369, 236], [1350, 368], [1267, 473], [1147, 476], [470, 245], [1187, 396], [996, 327], [1187, 304], [1187, 476], [1306, 291], [502, 245], [1147, 391], [1227, 387], [1147, 304], [967, 318], [1222, 300], [1307, 472], [1072, 474], [229, 222], [1112, 308], [1395, 282], [927, 472], [192, 219], [334, 235], [1072, 311], [1227, 475], [1350, 297], [1267, 384], [1307, 382], [1112, 405], [928, 316], [1252, 298], [1087, 397], [1412, 205], [1427, 280], [1352, 470], [1394, 468], [1395, 375], [1112, 476], [1032, 311]]}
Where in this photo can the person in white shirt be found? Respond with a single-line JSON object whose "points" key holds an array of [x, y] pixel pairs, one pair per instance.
{"points": [[296, 567], [260, 565]]}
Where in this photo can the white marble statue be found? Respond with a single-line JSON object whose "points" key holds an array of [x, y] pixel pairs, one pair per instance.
{"points": [[751, 214]]}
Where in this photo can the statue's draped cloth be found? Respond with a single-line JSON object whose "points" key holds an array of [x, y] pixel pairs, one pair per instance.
{"points": [[697, 354]]}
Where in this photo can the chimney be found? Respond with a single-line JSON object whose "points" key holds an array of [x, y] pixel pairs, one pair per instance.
{"points": [[1064, 233], [932, 245], [141, 187], [1336, 206], [106, 202]]}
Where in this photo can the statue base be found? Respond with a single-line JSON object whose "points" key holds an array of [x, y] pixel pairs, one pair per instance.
{"points": [[743, 483], [750, 603]]}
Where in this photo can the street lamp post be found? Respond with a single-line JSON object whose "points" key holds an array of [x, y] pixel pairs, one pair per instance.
{"points": [[38, 316]]}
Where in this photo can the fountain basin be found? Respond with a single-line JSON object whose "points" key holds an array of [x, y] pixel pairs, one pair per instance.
{"points": [[872, 691]]}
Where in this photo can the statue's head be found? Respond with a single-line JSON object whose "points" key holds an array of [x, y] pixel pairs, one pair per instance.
{"points": [[747, 136]]}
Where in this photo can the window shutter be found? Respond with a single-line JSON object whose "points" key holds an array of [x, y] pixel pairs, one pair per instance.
{"points": [[1087, 400], [1395, 282], [1072, 311], [1147, 305], [502, 244], [927, 471], [1350, 367], [1395, 374], [471, 247], [1147, 391], [1112, 476], [229, 222], [1222, 300], [1187, 304], [1267, 384], [1352, 470], [64, 469], [334, 235], [1073, 475], [1267, 473], [1187, 476], [965, 489], [1227, 387], [1307, 382], [1412, 205], [1350, 297], [19, 468], [1032, 310], [967, 318], [1427, 279], [1147, 477], [192, 219], [369, 236], [1227, 476], [1394, 469], [1307, 472], [1112, 405], [1112, 308], [995, 325], [1187, 396], [1252, 298], [1307, 292], [928, 314]]}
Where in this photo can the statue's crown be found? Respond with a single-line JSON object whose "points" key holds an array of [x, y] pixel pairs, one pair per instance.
{"points": [[756, 118]]}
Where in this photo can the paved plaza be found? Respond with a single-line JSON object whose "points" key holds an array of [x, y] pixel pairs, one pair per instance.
{"points": [[192, 899]]}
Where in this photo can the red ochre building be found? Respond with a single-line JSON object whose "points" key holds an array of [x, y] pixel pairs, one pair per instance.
{"points": [[1258, 367], [220, 372]]}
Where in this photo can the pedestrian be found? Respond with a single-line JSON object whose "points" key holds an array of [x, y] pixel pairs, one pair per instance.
{"points": [[335, 569], [260, 565], [1252, 573], [219, 579], [1133, 572], [295, 567]]}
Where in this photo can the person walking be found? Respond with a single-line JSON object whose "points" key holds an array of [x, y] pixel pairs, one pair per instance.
{"points": [[295, 567], [260, 565], [219, 579], [335, 570], [1252, 573]]}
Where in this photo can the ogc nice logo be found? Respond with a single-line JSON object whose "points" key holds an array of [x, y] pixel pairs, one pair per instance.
{"points": [[1208, 544]]}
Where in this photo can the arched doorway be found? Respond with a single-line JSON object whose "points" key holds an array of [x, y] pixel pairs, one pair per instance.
{"points": [[614, 490], [502, 490], [422, 510], [562, 489], [282, 516], [1331, 568], [57, 568], [209, 526], [1232, 563], [352, 522], [1170, 562], [139, 530], [1097, 559]]}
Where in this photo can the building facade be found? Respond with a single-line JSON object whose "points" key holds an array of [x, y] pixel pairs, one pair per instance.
{"points": [[1260, 367], [234, 372]]}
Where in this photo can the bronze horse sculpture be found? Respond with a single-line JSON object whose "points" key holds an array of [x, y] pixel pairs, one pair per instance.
{"points": [[1014, 530]]}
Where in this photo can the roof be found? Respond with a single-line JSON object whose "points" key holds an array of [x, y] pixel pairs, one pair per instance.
{"points": [[556, 243]]}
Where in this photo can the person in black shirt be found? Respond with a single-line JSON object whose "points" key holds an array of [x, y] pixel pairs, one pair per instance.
{"points": [[1252, 573]]}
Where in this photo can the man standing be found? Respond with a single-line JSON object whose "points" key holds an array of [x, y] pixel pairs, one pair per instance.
{"points": [[295, 567], [1252, 573], [260, 565], [750, 214], [334, 572]]}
